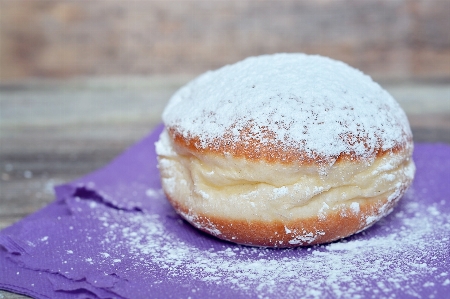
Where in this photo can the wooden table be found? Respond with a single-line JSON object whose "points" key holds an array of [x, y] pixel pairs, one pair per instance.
{"points": [[53, 132]]}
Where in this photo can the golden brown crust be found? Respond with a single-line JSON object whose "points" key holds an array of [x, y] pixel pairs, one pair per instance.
{"points": [[253, 149], [337, 224]]}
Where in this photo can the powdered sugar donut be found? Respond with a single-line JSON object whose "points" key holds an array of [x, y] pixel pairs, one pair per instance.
{"points": [[284, 150]]}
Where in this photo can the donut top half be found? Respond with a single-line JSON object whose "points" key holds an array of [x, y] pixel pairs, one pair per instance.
{"points": [[286, 108]]}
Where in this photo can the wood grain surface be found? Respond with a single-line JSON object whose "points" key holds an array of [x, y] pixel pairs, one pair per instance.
{"points": [[54, 132], [54, 38]]}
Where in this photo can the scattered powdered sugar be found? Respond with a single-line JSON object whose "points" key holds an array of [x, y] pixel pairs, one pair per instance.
{"points": [[152, 193], [281, 191], [354, 206], [323, 210], [310, 103], [306, 238], [401, 257]]}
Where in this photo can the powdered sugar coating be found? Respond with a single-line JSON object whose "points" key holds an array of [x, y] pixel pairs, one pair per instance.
{"points": [[311, 104]]}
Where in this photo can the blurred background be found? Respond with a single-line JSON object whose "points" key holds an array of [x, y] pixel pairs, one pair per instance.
{"points": [[82, 80], [389, 39]]}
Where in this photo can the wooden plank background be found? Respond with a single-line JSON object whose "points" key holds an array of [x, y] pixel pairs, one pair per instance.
{"points": [[390, 39]]}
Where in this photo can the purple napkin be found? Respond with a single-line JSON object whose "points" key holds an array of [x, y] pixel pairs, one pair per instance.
{"points": [[112, 234]]}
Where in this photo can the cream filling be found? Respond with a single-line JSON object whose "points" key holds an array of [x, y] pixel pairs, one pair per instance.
{"points": [[240, 189]]}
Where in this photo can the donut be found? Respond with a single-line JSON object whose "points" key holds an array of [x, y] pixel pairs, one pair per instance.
{"points": [[284, 150]]}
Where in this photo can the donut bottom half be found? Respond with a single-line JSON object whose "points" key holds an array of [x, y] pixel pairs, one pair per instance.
{"points": [[326, 226], [263, 204], [293, 233]]}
